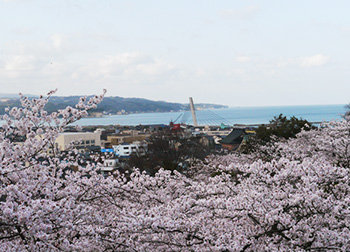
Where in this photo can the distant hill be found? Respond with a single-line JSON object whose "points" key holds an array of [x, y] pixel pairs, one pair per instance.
{"points": [[112, 105]]}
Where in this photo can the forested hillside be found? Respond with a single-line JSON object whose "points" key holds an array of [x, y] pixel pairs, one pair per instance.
{"points": [[111, 105]]}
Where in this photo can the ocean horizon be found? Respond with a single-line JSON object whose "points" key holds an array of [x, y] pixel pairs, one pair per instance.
{"points": [[229, 116]]}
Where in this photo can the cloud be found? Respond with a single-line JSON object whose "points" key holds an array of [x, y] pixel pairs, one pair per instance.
{"points": [[242, 59], [16, 65], [29, 59], [246, 12], [58, 62], [239, 71], [111, 63], [305, 62], [345, 28], [158, 67], [57, 41], [314, 61], [131, 64]]}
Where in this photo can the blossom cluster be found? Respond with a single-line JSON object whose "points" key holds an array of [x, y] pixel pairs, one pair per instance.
{"points": [[296, 199]]}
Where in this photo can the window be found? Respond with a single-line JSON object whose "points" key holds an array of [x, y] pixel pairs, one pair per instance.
{"points": [[93, 141], [87, 141], [126, 148]]}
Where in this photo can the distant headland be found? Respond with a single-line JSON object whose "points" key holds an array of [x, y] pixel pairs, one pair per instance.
{"points": [[110, 105]]}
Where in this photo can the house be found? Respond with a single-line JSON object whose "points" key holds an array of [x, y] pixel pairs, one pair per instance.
{"points": [[211, 142], [109, 165], [126, 149], [234, 139], [207, 141]]}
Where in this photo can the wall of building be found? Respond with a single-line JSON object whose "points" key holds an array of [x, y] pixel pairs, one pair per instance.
{"points": [[127, 149], [115, 140], [78, 139]]}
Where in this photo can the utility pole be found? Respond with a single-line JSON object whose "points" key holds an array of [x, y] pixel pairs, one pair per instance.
{"points": [[193, 113]]}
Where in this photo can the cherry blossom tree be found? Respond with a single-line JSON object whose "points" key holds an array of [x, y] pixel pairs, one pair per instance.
{"points": [[296, 197], [39, 203]]}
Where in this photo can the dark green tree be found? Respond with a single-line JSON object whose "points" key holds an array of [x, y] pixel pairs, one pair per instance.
{"points": [[281, 127], [169, 150]]}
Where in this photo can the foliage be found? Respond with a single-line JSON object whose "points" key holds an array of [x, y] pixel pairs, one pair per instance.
{"points": [[297, 201], [169, 150], [281, 127]]}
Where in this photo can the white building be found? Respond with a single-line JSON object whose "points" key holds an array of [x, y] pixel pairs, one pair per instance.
{"points": [[109, 165], [126, 149], [78, 139]]}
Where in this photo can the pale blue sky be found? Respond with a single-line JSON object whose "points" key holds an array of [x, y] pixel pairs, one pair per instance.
{"points": [[237, 53]]}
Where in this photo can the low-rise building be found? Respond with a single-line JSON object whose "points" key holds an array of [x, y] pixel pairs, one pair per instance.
{"points": [[234, 140], [109, 165], [119, 139], [78, 139], [126, 149], [127, 136]]}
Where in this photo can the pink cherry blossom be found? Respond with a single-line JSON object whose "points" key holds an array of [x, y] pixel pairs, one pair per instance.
{"points": [[293, 195]]}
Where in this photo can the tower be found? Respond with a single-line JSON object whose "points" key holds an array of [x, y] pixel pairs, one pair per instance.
{"points": [[193, 113]]}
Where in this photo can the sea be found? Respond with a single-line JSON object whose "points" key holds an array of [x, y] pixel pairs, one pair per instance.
{"points": [[228, 116]]}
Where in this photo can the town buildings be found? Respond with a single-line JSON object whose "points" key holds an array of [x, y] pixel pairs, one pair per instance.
{"points": [[78, 139], [116, 146]]}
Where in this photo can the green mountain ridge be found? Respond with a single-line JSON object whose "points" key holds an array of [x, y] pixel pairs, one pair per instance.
{"points": [[112, 105]]}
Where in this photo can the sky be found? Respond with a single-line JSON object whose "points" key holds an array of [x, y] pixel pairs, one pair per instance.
{"points": [[231, 52]]}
